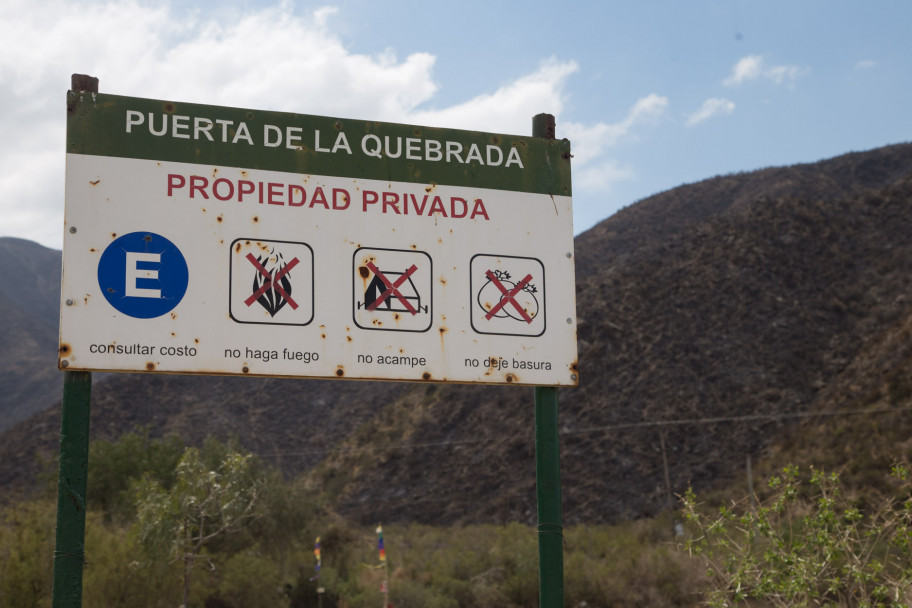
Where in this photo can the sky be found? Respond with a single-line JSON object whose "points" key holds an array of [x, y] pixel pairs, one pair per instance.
{"points": [[652, 94]]}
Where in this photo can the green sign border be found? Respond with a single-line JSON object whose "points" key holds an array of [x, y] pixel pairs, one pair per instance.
{"points": [[96, 125]]}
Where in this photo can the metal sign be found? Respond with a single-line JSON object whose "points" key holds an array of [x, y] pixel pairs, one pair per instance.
{"points": [[214, 240]]}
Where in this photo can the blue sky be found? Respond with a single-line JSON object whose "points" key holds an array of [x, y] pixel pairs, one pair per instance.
{"points": [[652, 94]]}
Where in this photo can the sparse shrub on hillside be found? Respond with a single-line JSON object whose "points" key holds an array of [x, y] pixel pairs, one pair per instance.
{"points": [[114, 575], [808, 544], [26, 550], [632, 565], [249, 579], [115, 465]]}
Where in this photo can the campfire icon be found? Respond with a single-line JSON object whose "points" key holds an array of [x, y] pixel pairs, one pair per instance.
{"points": [[272, 281]]}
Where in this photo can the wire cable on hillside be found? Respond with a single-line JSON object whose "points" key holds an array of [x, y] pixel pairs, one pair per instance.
{"points": [[597, 429], [752, 418]]}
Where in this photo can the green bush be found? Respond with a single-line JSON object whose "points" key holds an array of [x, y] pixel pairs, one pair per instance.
{"points": [[115, 465], [114, 574], [250, 580], [808, 545], [632, 565]]}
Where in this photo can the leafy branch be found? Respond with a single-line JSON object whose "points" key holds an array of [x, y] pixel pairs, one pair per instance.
{"points": [[807, 545], [203, 505]]}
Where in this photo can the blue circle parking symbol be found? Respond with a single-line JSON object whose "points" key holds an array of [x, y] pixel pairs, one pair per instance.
{"points": [[143, 275]]}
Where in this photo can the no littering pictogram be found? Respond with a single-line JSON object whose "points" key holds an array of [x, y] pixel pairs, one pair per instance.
{"points": [[503, 304], [508, 297]]}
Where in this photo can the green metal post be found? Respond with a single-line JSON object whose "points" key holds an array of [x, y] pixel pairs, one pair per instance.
{"points": [[73, 472], [547, 483], [547, 468], [69, 549]]}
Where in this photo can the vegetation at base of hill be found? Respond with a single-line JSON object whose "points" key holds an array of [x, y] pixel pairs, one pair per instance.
{"points": [[811, 540], [266, 558]]}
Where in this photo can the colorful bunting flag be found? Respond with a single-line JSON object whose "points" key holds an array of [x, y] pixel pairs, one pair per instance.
{"points": [[318, 561]]}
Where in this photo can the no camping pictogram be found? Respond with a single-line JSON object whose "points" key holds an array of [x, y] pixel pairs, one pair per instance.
{"points": [[507, 295], [392, 289], [271, 282]]}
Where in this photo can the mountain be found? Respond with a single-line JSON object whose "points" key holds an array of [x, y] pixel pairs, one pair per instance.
{"points": [[721, 320], [29, 307], [649, 222]]}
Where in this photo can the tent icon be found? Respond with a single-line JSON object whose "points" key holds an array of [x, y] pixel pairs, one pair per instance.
{"points": [[404, 296]]}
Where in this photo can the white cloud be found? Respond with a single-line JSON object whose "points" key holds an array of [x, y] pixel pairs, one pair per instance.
{"points": [[865, 64], [782, 73], [592, 171], [510, 108], [753, 67], [270, 58], [748, 68], [275, 60], [602, 176], [711, 107], [590, 142]]}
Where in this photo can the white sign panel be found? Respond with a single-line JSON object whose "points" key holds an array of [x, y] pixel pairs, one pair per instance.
{"points": [[312, 264]]}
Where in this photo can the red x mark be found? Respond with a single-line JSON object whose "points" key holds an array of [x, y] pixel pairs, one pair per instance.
{"points": [[272, 281], [392, 288], [508, 296]]}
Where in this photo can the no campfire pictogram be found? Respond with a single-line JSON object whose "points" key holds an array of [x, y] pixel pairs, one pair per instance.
{"points": [[507, 295], [271, 282], [392, 289]]}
